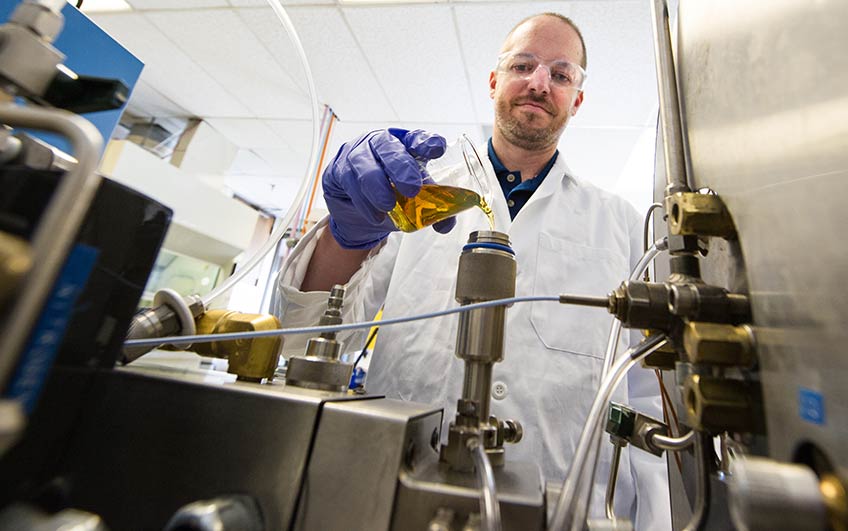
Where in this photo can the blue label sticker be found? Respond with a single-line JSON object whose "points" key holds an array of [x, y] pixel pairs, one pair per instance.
{"points": [[37, 357], [811, 406]]}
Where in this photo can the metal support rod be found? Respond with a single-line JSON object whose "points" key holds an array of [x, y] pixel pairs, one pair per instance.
{"points": [[613, 478], [477, 387], [59, 225], [582, 300], [703, 451], [672, 444], [670, 117]]}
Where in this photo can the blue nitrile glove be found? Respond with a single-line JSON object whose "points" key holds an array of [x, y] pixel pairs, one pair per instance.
{"points": [[358, 183]]}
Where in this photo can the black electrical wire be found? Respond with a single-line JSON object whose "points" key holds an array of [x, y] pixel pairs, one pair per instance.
{"points": [[365, 348], [79, 4]]}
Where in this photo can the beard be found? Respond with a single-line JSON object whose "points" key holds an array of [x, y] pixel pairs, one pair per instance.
{"points": [[526, 130]]}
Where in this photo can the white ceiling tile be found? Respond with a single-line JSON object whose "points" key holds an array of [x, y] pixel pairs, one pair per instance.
{"points": [[273, 35], [168, 69], [224, 46], [415, 54], [146, 101], [170, 4], [245, 132], [248, 3], [344, 78], [621, 89], [420, 66], [268, 192]]}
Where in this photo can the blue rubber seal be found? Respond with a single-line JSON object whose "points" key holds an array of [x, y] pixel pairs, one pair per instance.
{"points": [[484, 245]]}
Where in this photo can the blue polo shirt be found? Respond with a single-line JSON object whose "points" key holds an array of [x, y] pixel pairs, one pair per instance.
{"points": [[517, 193]]}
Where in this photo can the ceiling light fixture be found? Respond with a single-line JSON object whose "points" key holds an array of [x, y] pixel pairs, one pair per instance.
{"points": [[384, 2], [103, 6]]}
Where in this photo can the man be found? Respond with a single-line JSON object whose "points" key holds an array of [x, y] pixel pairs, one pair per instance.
{"points": [[568, 237]]}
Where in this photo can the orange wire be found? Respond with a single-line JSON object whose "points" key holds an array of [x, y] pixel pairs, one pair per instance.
{"points": [[318, 172]]}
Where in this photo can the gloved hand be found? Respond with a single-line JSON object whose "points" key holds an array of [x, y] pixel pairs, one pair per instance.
{"points": [[358, 183]]}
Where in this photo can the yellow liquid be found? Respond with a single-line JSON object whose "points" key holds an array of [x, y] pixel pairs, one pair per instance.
{"points": [[434, 203]]}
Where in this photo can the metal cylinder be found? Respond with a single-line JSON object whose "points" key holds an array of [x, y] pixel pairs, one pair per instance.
{"points": [[477, 383], [767, 494], [486, 272]]}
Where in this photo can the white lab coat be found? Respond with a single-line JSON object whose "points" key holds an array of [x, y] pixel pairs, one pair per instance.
{"points": [[570, 237]]}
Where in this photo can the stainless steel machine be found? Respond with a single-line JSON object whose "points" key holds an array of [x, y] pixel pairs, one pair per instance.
{"points": [[743, 321]]}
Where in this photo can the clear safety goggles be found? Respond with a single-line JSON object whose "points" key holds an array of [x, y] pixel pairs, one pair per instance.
{"points": [[562, 74]]}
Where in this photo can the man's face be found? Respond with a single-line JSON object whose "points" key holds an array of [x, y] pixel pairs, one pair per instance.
{"points": [[531, 112]]}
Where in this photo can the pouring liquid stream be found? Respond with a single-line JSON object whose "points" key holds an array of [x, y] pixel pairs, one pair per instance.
{"points": [[434, 203]]}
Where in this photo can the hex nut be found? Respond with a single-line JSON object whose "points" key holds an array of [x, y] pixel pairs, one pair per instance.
{"points": [[719, 404], [718, 344], [40, 19]]}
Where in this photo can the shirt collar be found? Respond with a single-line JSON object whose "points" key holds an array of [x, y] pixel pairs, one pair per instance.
{"points": [[501, 170]]}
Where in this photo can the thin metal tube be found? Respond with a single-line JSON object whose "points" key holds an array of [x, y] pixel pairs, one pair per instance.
{"points": [[59, 225], [672, 444], [208, 338], [490, 510], [582, 300], [615, 328], [702, 492], [670, 122], [613, 478], [573, 501]]}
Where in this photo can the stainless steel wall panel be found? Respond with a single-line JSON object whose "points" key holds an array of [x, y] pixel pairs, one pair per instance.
{"points": [[765, 91]]}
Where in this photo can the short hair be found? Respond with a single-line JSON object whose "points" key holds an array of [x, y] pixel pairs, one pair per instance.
{"points": [[560, 17]]}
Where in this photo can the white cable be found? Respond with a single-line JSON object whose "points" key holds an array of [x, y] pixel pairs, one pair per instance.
{"points": [[311, 170], [208, 338]]}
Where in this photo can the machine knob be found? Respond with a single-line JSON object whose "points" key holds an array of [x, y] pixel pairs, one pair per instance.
{"points": [[228, 513], [766, 494]]}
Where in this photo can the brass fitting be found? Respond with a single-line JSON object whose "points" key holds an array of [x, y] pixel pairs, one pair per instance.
{"points": [[691, 214], [249, 359], [836, 501], [719, 344], [15, 262], [719, 404]]}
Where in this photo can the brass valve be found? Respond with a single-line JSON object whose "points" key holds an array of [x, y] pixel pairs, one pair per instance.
{"points": [[691, 214], [249, 359]]}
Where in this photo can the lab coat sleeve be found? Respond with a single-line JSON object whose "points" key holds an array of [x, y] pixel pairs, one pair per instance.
{"points": [[650, 475], [364, 293]]}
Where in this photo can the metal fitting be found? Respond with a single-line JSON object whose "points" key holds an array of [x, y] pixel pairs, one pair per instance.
{"points": [[835, 501], [511, 430], [486, 268], [699, 215], [703, 302], [628, 425], [15, 263], [641, 305], [719, 344], [250, 359], [39, 19], [719, 404], [319, 367]]}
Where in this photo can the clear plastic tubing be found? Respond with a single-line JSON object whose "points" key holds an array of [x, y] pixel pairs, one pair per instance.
{"points": [[277, 235], [490, 511], [573, 503], [615, 330]]}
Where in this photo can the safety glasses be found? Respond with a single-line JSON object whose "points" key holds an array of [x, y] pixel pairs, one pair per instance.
{"points": [[561, 73]]}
